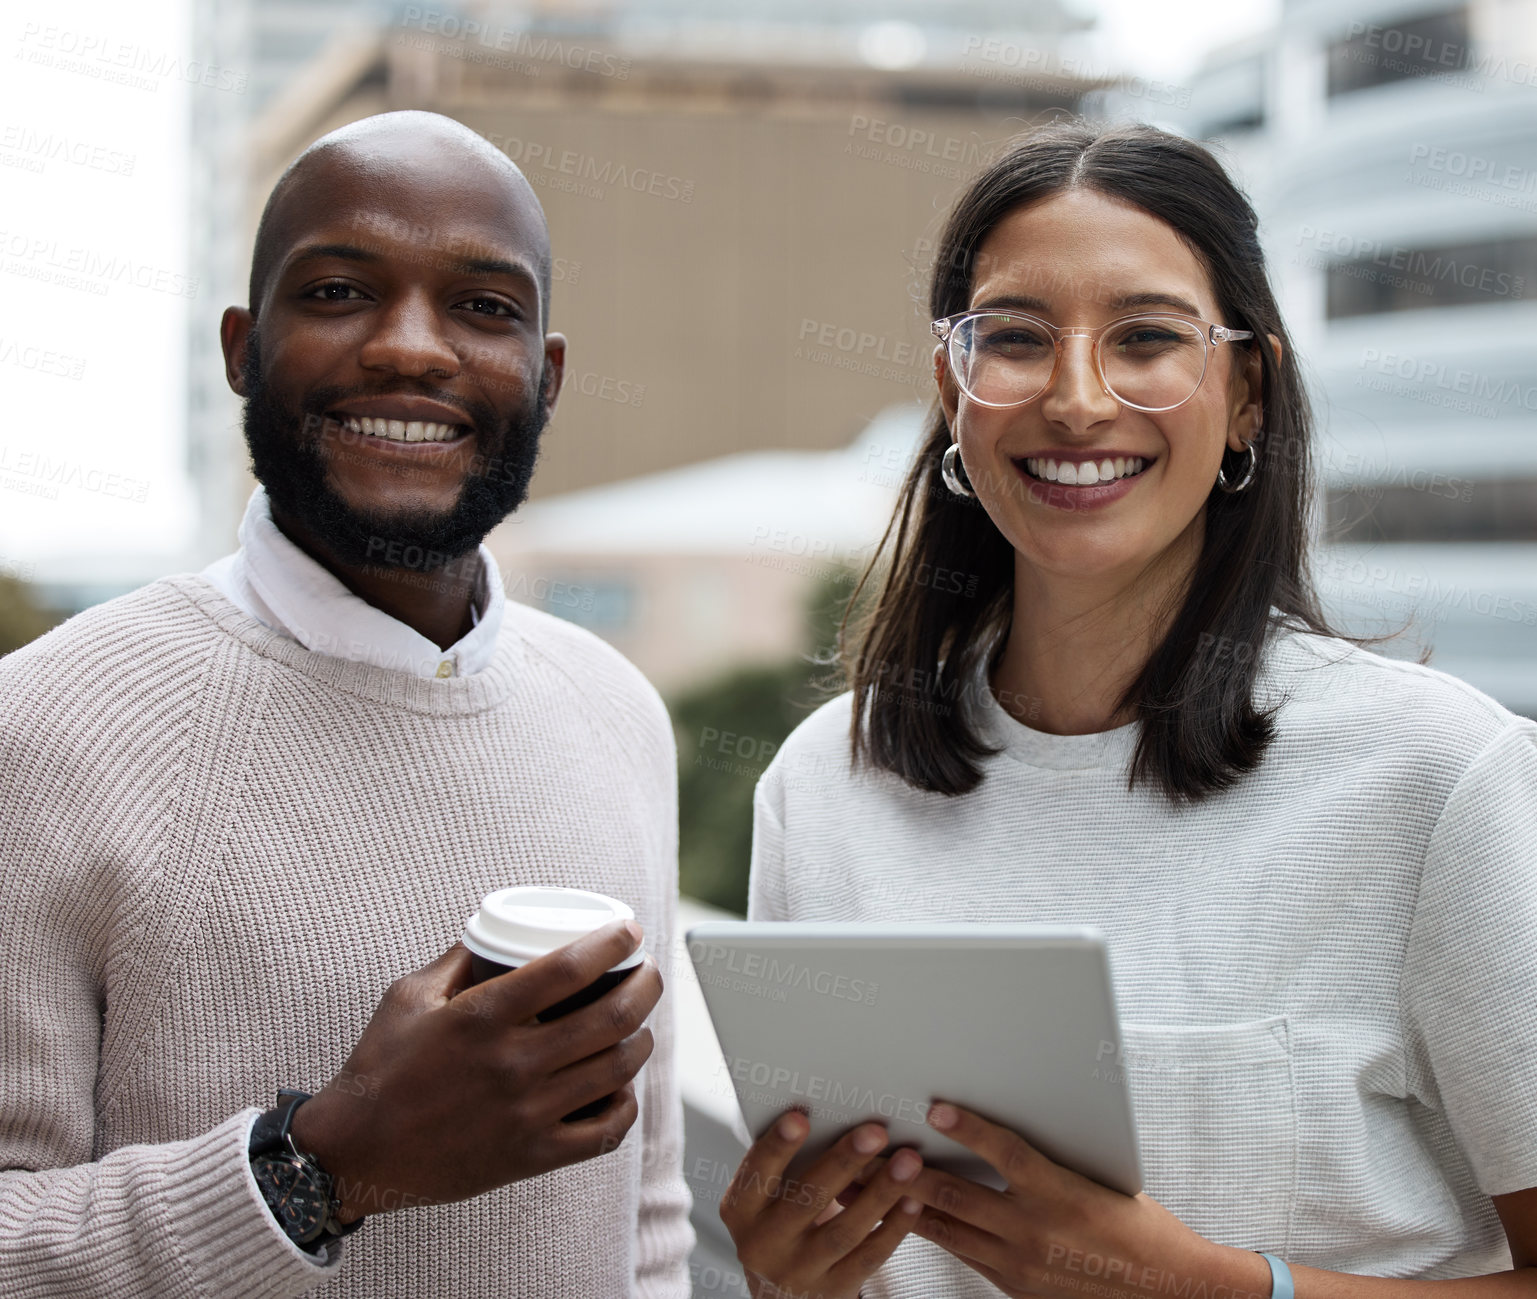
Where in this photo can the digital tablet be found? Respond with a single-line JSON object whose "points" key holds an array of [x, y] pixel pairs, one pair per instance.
{"points": [[850, 1022]]}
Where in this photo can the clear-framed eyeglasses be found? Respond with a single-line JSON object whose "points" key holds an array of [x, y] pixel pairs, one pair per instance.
{"points": [[1152, 362]]}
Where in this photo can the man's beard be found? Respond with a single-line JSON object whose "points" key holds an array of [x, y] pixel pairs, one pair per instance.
{"points": [[286, 458]]}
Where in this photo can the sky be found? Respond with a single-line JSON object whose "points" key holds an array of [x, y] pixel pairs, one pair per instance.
{"points": [[1168, 39], [92, 259], [95, 281]]}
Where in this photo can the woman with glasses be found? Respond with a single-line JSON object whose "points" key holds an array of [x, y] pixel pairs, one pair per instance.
{"points": [[1316, 868]]}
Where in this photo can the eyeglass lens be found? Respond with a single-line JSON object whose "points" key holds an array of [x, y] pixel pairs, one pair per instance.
{"points": [[1151, 362]]}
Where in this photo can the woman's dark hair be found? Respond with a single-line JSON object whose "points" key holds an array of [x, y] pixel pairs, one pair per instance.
{"points": [[920, 647]]}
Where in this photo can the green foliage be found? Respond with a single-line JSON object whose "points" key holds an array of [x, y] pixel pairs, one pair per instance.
{"points": [[21, 618], [728, 731]]}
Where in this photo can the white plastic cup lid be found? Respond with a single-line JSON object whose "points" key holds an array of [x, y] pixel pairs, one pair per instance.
{"points": [[517, 924]]}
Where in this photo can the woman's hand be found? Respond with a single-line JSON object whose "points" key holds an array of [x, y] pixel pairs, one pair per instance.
{"points": [[790, 1235], [1052, 1232]]}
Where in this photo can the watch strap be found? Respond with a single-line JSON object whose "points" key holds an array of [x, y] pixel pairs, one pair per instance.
{"points": [[269, 1133], [270, 1136]]}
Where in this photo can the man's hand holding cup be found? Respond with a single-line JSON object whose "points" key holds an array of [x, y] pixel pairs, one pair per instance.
{"points": [[467, 1086]]}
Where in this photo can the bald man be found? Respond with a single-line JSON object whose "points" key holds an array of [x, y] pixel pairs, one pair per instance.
{"points": [[244, 814]]}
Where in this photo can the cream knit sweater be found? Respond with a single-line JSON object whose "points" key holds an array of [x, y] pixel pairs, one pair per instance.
{"points": [[186, 798]]}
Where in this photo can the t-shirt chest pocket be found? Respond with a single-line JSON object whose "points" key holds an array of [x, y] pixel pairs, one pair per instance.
{"points": [[1216, 1121]]}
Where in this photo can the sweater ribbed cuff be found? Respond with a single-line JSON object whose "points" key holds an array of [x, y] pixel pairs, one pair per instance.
{"points": [[226, 1233]]}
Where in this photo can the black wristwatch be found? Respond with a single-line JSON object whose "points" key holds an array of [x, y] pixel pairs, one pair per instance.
{"points": [[296, 1188]]}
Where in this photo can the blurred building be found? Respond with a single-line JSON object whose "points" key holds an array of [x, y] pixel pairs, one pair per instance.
{"points": [[1390, 147], [742, 209], [694, 571]]}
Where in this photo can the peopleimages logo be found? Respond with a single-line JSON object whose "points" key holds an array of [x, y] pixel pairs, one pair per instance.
{"points": [[849, 1098], [913, 148], [1429, 373], [574, 168], [40, 257], [1353, 254], [47, 146], [1474, 167], [37, 473], [1393, 588], [523, 44], [1419, 52], [40, 360], [1031, 65], [107, 59], [714, 961]]}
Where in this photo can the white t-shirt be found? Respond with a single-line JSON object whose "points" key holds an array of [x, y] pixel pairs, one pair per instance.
{"points": [[1326, 976]]}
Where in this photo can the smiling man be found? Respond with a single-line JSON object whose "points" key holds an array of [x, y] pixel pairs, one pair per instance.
{"points": [[244, 814]]}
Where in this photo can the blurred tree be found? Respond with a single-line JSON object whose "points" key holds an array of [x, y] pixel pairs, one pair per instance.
{"points": [[22, 619], [728, 731]]}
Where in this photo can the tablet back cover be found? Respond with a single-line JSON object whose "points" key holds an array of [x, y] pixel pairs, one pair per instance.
{"points": [[850, 1022]]}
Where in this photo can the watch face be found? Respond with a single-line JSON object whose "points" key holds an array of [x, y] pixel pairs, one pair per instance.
{"points": [[290, 1188]]}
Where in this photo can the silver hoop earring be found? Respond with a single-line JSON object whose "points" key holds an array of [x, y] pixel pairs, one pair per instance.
{"points": [[953, 471], [1246, 481]]}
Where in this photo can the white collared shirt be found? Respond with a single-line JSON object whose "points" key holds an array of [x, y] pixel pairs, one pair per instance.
{"points": [[276, 583]]}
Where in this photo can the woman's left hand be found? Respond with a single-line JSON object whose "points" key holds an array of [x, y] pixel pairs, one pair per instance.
{"points": [[1051, 1231]]}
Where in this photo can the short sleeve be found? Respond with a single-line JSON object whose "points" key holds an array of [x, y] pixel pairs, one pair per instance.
{"points": [[1469, 992], [765, 885]]}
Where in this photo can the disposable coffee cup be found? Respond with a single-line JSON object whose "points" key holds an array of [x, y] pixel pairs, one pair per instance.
{"points": [[517, 925]]}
